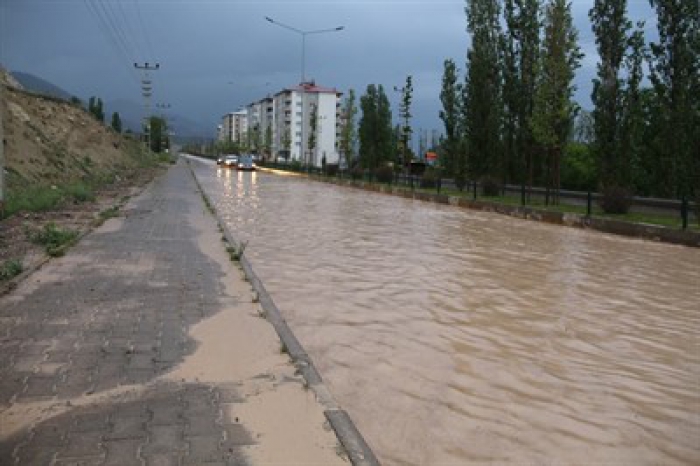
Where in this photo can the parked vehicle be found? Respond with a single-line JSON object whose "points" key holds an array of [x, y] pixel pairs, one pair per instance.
{"points": [[245, 162], [230, 161]]}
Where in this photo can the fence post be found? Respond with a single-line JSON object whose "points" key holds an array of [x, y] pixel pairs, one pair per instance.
{"points": [[474, 190], [522, 194], [589, 203], [684, 212], [439, 184]]}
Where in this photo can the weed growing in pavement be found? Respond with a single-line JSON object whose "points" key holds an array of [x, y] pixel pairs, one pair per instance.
{"points": [[237, 252], [54, 239], [10, 269], [283, 348], [106, 214]]}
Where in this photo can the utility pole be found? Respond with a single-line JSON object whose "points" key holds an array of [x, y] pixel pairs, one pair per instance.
{"points": [[2, 150], [147, 92]]}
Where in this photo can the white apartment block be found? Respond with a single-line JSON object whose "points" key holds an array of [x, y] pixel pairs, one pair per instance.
{"points": [[288, 114], [234, 127], [293, 110]]}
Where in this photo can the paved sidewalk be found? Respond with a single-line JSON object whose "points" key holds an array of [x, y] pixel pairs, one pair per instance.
{"points": [[132, 349]]}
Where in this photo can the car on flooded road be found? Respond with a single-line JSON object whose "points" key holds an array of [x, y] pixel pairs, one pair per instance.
{"points": [[246, 163], [230, 161]]}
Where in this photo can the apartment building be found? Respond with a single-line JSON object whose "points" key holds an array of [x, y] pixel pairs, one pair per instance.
{"points": [[305, 113], [234, 127], [300, 123]]}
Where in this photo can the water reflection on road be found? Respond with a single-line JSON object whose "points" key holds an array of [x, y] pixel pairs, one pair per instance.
{"points": [[455, 337]]}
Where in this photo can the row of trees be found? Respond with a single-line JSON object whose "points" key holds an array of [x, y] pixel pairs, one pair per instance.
{"points": [[511, 117]]}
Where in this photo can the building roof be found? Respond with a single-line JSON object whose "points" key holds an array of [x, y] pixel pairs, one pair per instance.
{"points": [[310, 87]]}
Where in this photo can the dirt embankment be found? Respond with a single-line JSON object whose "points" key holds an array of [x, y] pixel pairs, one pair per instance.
{"points": [[56, 152]]}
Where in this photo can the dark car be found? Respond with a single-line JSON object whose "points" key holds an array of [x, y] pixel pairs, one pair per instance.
{"points": [[245, 162]]}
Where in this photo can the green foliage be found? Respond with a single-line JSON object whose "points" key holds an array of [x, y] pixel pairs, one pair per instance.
{"points": [[455, 160], [490, 187], [54, 239], [615, 200], [375, 130], [116, 122], [32, 199], [10, 269], [578, 169], [313, 126], [554, 109], [158, 134], [348, 134], [675, 75], [95, 109], [429, 179], [79, 192], [405, 115], [520, 68], [616, 100], [384, 174], [482, 104]]}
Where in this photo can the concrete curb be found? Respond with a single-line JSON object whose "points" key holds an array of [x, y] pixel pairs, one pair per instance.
{"points": [[603, 225], [358, 451]]}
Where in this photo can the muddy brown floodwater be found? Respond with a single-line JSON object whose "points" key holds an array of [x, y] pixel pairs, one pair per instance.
{"points": [[461, 337]]}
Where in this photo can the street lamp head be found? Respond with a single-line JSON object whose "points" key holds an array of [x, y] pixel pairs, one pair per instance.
{"points": [[340, 28]]}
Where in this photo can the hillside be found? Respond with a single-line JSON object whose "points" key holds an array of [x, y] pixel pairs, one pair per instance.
{"points": [[50, 142], [65, 172]]}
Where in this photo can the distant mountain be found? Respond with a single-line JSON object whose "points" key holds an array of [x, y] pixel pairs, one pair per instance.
{"points": [[40, 86]]}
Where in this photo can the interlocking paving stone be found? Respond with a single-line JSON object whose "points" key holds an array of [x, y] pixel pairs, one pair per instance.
{"points": [[116, 312]]}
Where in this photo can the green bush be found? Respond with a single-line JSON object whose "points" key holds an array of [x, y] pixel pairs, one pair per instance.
{"points": [[79, 192], [615, 200], [490, 187], [32, 199], [357, 173], [384, 174], [429, 179], [331, 170], [10, 269], [578, 167], [53, 238]]}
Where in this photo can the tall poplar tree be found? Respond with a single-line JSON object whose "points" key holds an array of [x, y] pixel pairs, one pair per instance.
{"points": [[520, 69], [375, 130], [554, 109], [611, 28], [348, 131], [675, 75], [405, 115], [455, 157], [483, 88]]}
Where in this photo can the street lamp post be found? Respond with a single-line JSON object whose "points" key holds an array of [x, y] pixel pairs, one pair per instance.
{"points": [[303, 35]]}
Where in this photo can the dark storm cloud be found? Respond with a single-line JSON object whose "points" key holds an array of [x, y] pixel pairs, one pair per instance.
{"points": [[218, 55]]}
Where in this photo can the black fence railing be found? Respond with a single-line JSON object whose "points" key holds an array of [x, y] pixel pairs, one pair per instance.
{"points": [[683, 210]]}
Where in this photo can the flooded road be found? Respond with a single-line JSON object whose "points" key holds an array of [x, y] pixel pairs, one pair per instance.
{"points": [[460, 337]]}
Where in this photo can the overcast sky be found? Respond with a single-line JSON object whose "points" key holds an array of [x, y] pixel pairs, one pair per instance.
{"points": [[217, 55]]}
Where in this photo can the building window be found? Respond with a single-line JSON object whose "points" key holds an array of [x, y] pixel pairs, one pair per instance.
{"points": [[298, 114], [299, 133]]}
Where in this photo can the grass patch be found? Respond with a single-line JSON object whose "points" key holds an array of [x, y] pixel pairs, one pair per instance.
{"points": [[79, 192], [10, 269], [236, 252], [32, 199], [55, 240]]}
